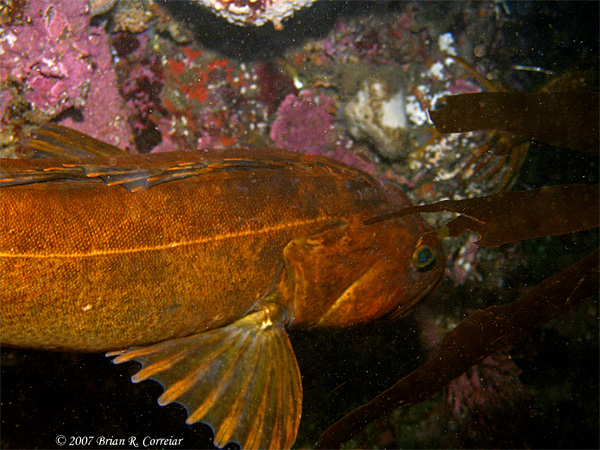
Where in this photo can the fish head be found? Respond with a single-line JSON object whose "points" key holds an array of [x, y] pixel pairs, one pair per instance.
{"points": [[355, 273]]}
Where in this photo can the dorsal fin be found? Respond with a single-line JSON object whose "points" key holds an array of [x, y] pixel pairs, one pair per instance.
{"points": [[71, 156], [56, 141]]}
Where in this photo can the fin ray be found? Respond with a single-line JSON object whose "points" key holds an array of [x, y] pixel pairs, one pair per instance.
{"points": [[160, 366], [241, 379], [56, 141]]}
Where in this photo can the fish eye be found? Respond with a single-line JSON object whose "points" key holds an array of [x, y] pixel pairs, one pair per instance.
{"points": [[424, 256]]}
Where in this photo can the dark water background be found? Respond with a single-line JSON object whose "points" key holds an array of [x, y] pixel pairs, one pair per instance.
{"points": [[46, 394]]}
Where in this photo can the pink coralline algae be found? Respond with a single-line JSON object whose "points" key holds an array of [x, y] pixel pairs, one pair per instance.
{"points": [[62, 62], [304, 123], [485, 386], [43, 56]]}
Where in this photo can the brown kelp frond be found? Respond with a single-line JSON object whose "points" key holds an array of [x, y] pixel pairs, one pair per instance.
{"points": [[476, 337], [514, 216], [562, 119]]}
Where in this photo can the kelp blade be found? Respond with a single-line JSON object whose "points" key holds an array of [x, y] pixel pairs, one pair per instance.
{"points": [[476, 337], [508, 217], [563, 119]]}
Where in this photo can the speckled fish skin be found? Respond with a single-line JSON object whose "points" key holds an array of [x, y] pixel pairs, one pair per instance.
{"points": [[87, 267]]}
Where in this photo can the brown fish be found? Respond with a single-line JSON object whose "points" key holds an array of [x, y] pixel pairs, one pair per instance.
{"points": [[194, 264]]}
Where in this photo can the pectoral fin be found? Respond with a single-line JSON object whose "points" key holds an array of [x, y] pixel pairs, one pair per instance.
{"points": [[242, 379]]}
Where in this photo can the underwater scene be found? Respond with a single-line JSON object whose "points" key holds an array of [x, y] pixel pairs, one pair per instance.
{"points": [[311, 223]]}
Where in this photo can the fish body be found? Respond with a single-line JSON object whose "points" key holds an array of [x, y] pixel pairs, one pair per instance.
{"points": [[197, 273]]}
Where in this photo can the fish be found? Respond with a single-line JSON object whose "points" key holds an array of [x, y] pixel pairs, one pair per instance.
{"points": [[196, 263]]}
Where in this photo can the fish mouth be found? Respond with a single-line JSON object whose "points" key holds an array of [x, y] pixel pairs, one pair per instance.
{"points": [[404, 309]]}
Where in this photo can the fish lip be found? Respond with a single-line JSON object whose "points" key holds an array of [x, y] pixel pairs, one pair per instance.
{"points": [[438, 280], [402, 310]]}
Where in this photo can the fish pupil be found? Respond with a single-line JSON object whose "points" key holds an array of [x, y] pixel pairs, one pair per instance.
{"points": [[424, 256]]}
